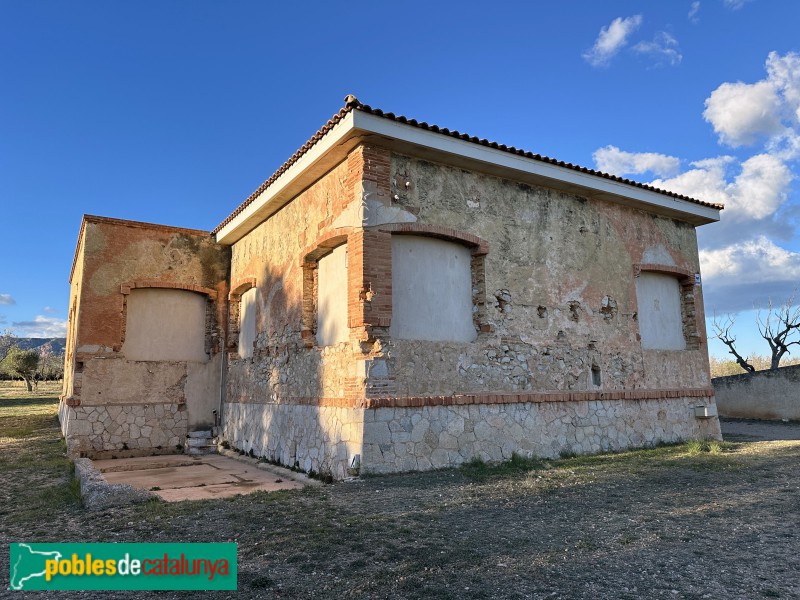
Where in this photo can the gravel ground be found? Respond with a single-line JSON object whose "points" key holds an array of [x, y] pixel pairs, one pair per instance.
{"points": [[751, 430], [660, 523]]}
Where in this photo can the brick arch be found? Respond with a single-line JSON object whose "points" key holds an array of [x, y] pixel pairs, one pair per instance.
{"points": [[240, 287], [479, 248], [126, 287], [324, 245], [677, 272]]}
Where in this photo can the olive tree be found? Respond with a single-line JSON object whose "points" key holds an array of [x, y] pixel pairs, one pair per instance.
{"points": [[22, 363]]}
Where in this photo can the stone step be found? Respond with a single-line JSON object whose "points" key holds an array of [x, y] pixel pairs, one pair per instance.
{"points": [[201, 451], [199, 434], [200, 442]]}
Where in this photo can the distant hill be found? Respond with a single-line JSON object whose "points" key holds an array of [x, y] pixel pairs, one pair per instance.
{"points": [[56, 345]]}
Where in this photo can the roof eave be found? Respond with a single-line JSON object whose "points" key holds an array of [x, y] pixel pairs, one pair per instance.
{"points": [[459, 152], [357, 126], [322, 157]]}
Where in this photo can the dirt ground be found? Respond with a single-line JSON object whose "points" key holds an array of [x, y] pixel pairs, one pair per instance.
{"points": [[670, 522]]}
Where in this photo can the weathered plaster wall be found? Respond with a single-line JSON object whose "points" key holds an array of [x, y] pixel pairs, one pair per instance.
{"points": [[75, 287], [114, 258], [558, 312], [560, 286], [283, 366], [433, 437], [760, 395]]}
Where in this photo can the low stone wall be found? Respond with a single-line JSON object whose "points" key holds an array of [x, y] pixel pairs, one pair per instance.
{"points": [[432, 437], [98, 494], [323, 439], [760, 395], [123, 429]]}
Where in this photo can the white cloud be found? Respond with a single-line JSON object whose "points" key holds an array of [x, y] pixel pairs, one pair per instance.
{"points": [[756, 192], [747, 274], [663, 49], [611, 40], [744, 258], [735, 4], [7, 299], [742, 113], [755, 261], [618, 162], [784, 73], [41, 327], [49, 310], [693, 10]]}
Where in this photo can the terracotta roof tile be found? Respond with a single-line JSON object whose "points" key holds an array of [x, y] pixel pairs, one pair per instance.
{"points": [[352, 103]]}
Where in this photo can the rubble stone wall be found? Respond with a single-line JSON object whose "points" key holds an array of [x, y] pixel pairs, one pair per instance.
{"points": [[122, 430]]}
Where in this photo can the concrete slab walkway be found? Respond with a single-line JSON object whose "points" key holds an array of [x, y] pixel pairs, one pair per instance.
{"points": [[180, 477]]}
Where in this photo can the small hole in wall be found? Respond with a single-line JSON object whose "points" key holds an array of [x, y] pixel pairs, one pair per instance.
{"points": [[596, 376], [542, 311]]}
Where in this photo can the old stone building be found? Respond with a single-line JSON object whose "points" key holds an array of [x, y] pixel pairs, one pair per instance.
{"points": [[397, 296]]}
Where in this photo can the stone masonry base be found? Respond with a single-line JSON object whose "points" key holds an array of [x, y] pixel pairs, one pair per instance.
{"points": [[123, 430], [322, 439], [325, 439]]}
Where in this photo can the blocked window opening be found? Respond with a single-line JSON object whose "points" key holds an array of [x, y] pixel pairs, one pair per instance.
{"points": [[659, 314], [165, 324], [332, 297], [596, 381], [431, 290], [247, 323]]}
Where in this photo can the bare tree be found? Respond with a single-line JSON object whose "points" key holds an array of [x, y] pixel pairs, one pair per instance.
{"points": [[780, 328], [722, 331]]}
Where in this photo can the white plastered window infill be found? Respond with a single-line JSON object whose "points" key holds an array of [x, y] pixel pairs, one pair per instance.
{"points": [[247, 322], [659, 313], [431, 290], [332, 297], [165, 324]]}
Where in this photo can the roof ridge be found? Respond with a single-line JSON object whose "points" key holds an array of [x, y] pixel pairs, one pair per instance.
{"points": [[352, 103]]}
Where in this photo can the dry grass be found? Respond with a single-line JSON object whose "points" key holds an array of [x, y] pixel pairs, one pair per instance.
{"points": [[16, 389], [662, 523], [724, 367]]}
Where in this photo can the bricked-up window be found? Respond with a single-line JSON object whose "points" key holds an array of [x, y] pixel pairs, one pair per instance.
{"points": [[332, 297], [247, 322], [165, 324], [661, 320], [432, 297]]}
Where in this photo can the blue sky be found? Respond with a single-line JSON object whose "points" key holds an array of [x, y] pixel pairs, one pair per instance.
{"points": [[174, 112]]}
